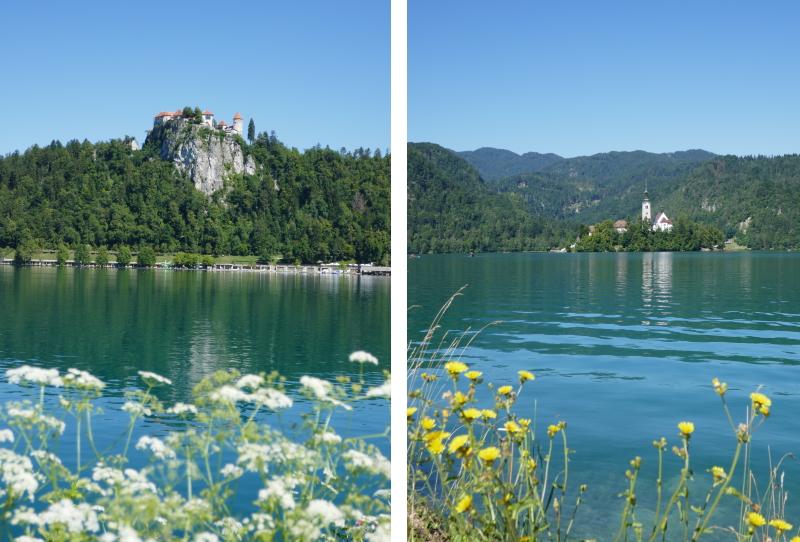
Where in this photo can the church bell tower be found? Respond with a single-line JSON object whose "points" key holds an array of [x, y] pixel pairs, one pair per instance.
{"points": [[646, 216]]}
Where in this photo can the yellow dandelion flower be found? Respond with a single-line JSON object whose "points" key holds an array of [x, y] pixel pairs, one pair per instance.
{"points": [[524, 422], [457, 442], [795, 539], [525, 375], [765, 411], [464, 504], [410, 411], [756, 519], [435, 446], [552, 430], [531, 464], [473, 375], [455, 367], [505, 390], [460, 398], [760, 402], [512, 427], [718, 472], [489, 454], [780, 525], [434, 435], [686, 428], [428, 423], [489, 414], [471, 413], [719, 388]]}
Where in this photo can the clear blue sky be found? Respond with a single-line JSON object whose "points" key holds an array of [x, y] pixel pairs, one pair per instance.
{"points": [[581, 77], [315, 72]]}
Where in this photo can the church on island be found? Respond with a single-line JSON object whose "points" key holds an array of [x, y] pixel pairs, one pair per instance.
{"points": [[208, 120], [660, 222]]}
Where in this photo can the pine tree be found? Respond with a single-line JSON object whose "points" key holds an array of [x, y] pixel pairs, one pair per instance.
{"points": [[251, 131]]}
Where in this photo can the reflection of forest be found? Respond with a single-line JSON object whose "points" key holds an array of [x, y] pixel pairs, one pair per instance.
{"points": [[185, 326]]}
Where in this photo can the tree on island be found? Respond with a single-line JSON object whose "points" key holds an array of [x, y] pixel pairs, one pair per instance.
{"points": [[146, 258], [62, 255], [123, 256], [251, 131], [102, 256]]}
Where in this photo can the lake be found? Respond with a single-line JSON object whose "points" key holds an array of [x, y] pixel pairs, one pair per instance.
{"points": [[185, 325], [624, 347]]}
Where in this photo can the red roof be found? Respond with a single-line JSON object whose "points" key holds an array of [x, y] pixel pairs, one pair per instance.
{"points": [[179, 112], [620, 224], [207, 112], [221, 123], [163, 113], [237, 116]]}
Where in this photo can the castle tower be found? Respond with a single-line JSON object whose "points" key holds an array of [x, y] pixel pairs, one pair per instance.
{"points": [[208, 118], [646, 216], [237, 124]]}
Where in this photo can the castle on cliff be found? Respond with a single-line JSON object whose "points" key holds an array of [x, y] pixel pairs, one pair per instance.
{"points": [[208, 120]]}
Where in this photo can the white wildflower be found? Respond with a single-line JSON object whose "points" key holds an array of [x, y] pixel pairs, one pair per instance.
{"points": [[383, 533], [317, 385], [161, 520], [206, 537], [108, 537], [43, 456], [263, 523], [181, 408], [257, 457], [270, 398], [230, 527], [229, 395], [384, 390], [76, 518], [231, 470], [136, 408], [326, 511], [25, 538], [376, 464], [302, 529], [128, 534], [25, 516], [156, 446], [37, 375], [277, 488], [152, 379], [108, 475], [328, 437], [6, 435], [363, 357], [98, 508], [21, 413], [383, 494], [249, 381], [17, 473], [83, 380], [136, 482]]}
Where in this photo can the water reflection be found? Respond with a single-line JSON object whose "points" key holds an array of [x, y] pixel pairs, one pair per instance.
{"points": [[656, 284]]}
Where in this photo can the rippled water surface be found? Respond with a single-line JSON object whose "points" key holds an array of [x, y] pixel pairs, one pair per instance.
{"points": [[624, 346], [186, 325]]}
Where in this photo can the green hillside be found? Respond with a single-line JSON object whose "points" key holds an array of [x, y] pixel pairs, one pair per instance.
{"points": [[451, 209], [315, 205], [499, 163]]}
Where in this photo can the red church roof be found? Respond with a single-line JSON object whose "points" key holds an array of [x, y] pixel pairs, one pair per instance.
{"points": [[221, 123], [207, 112], [237, 116]]}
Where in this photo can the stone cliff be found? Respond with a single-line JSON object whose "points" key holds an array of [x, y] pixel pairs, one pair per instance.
{"points": [[206, 155]]}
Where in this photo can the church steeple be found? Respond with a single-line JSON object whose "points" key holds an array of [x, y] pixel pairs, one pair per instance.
{"points": [[646, 206]]}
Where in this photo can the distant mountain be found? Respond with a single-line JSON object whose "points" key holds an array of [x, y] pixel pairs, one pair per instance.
{"points": [[451, 209], [498, 163]]}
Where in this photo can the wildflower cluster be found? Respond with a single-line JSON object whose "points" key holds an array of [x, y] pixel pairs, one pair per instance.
{"points": [[314, 485]]}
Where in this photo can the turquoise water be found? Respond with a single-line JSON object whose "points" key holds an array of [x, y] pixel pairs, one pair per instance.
{"points": [[185, 325], [624, 347]]}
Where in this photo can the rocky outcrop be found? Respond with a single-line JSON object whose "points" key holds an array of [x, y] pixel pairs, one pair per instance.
{"points": [[208, 156]]}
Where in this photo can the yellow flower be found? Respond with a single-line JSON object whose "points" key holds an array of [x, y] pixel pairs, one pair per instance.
{"points": [[489, 454], [457, 442], [460, 398], [428, 423], [410, 411], [686, 428], [471, 413], [489, 414], [761, 403], [795, 539], [505, 390], [512, 427], [756, 519], [718, 472], [525, 375], [433, 435], [552, 430], [531, 464], [524, 422], [720, 388], [780, 525], [464, 504], [473, 375], [455, 367], [435, 446]]}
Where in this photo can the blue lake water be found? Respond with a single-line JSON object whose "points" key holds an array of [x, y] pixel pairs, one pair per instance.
{"points": [[624, 347]]}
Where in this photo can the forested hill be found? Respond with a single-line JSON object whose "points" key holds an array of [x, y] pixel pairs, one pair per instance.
{"points": [[316, 205], [450, 209], [499, 163]]}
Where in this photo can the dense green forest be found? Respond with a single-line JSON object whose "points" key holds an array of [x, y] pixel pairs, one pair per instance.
{"points": [[450, 209], [498, 163], [316, 205]]}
